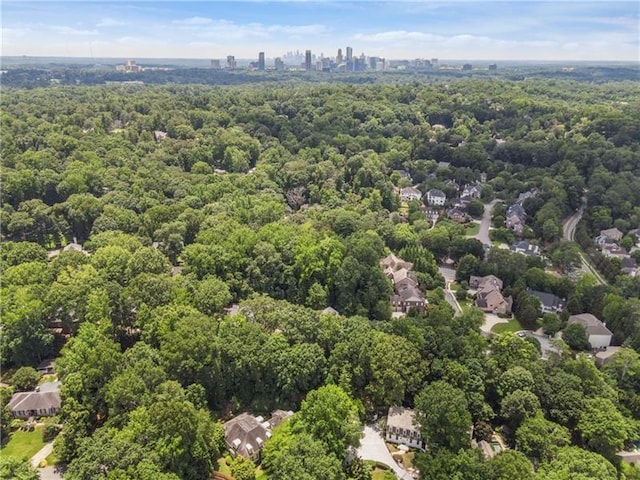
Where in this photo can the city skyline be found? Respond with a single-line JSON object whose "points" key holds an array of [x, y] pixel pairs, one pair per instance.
{"points": [[517, 30]]}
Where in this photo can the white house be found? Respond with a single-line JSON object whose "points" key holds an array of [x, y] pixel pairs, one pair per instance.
{"points": [[410, 193], [401, 429], [436, 197], [598, 334]]}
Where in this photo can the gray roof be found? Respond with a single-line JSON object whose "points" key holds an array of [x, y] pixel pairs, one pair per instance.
{"points": [[25, 401], [401, 417], [246, 434], [434, 192], [591, 324], [547, 299]]}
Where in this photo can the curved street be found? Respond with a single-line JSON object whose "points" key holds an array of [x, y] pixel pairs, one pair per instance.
{"points": [[568, 233], [485, 223]]}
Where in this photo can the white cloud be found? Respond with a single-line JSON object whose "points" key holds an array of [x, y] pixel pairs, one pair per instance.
{"points": [[397, 35], [110, 22], [63, 30], [314, 29], [194, 21]]}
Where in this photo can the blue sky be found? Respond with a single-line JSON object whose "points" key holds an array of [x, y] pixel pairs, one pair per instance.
{"points": [[515, 30]]}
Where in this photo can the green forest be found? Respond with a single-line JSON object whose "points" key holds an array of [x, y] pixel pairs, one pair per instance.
{"points": [[176, 249]]}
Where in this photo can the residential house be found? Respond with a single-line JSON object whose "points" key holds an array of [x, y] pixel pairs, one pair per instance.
{"points": [[489, 296], [47, 366], [525, 248], [410, 193], [407, 298], [431, 214], [330, 311], [452, 184], [457, 215], [476, 283], [526, 195], [436, 197], [401, 428], [598, 334], [604, 356], [549, 303], [612, 233], [404, 174], [629, 265], [516, 218], [159, 135], [443, 164], [471, 192], [614, 250], [407, 294], [35, 404], [245, 434], [391, 263]]}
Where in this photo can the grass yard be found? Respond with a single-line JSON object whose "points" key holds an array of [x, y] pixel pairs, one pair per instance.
{"points": [[52, 459], [512, 326], [261, 474], [23, 444], [471, 229], [379, 474], [223, 467]]}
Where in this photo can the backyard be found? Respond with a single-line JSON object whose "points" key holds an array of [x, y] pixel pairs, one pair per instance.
{"points": [[23, 444]]}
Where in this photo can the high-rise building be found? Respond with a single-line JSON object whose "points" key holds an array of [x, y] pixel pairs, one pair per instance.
{"points": [[339, 57], [261, 61], [349, 54], [467, 67], [434, 63], [278, 64], [215, 64], [307, 60], [493, 67], [231, 62]]}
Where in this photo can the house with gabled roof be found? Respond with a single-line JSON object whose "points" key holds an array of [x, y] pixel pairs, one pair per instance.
{"points": [[598, 334], [436, 197], [410, 193], [402, 429], [246, 434], [35, 404], [549, 303]]}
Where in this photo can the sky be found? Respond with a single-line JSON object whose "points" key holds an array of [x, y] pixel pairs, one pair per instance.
{"points": [[465, 30]]}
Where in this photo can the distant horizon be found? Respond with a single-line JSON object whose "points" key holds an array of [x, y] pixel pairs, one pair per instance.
{"points": [[267, 57], [525, 30]]}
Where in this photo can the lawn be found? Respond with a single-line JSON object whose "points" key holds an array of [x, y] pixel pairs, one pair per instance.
{"points": [[512, 326], [261, 474], [223, 467], [23, 444], [379, 474], [472, 229]]}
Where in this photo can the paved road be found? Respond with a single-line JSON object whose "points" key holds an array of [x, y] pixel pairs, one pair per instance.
{"points": [[449, 275], [544, 340], [43, 453], [568, 233], [372, 447], [483, 233]]}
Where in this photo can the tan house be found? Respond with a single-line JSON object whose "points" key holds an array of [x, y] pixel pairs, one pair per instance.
{"points": [[489, 296], [407, 294]]}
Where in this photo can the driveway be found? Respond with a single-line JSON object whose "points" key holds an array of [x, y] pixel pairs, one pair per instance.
{"points": [[483, 233], [490, 320], [43, 453], [545, 344], [372, 447]]}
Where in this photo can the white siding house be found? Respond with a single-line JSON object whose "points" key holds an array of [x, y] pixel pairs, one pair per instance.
{"points": [[401, 430]]}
